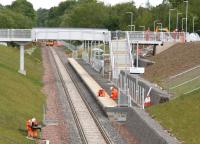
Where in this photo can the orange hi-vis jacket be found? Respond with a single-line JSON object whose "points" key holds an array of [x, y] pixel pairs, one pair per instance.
{"points": [[101, 93], [114, 94], [31, 131]]}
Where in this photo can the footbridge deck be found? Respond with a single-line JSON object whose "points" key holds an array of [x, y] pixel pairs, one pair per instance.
{"points": [[25, 35]]}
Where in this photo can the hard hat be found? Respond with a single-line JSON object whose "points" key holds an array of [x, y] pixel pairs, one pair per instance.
{"points": [[111, 88], [33, 120]]}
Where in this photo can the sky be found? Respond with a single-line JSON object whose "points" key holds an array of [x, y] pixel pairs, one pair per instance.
{"points": [[50, 3]]}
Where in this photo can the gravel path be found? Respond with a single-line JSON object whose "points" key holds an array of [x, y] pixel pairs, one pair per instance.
{"points": [[56, 129]]}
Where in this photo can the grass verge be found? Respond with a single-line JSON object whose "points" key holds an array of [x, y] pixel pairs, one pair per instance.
{"points": [[181, 117], [20, 96]]}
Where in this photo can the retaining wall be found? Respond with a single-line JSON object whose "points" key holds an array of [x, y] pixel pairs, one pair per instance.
{"points": [[147, 130]]}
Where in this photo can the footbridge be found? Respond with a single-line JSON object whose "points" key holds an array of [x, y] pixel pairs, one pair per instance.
{"points": [[120, 43]]}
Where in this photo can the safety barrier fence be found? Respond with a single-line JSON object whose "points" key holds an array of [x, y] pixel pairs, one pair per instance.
{"points": [[139, 90]]}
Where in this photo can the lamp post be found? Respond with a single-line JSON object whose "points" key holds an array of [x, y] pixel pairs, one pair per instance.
{"points": [[177, 15], [170, 18], [143, 27], [160, 26], [132, 26], [186, 15], [161, 30], [193, 22], [131, 13], [182, 22], [154, 25]]}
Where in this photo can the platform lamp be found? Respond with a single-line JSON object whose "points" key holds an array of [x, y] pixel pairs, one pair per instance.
{"points": [[177, 19], [182, 22], [186, 15], [170, 18], [131, 13], [142, 27], [154, 24], [193, 19], [132, 26], [161, 27]]}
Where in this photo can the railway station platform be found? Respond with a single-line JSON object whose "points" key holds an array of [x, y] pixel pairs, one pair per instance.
{"points": [[94, 82]]}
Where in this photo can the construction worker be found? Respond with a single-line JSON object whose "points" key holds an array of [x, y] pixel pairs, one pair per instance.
{"points": [[101, 92], [114, 93], [32, 127], [147, 34]]}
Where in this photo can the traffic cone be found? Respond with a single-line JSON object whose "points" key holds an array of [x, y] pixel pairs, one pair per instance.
{"points": [[147, 101]]}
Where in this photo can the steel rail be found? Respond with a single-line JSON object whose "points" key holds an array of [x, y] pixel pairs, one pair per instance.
{"points": [[80, 129], [82, 92]]}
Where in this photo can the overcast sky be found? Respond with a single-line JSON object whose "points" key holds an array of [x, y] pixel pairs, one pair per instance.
{"points": [[50, 3]]}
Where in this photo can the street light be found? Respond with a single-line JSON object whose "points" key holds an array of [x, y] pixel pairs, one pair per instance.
{"points": [[170, 18], [177, 19], [193, 22], [131, 18], [182, 22], [154, 24], [143, 27], [186, 13], [160, 26], [132, 26]]}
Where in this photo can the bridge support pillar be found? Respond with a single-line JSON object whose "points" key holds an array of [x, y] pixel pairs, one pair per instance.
{"points": [[21, 68]]}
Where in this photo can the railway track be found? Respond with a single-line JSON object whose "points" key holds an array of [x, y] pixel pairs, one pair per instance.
{"points": [[90, 129]]}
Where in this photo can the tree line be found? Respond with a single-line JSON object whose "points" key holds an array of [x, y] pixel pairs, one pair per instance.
{"points": [[95, 14]]}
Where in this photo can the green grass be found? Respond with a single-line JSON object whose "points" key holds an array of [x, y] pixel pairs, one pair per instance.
{"points": [[181, 117], [20, 96], [187, 87]]}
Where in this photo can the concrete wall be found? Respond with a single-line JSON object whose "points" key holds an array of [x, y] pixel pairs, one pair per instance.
{"points": [[147, 130]]}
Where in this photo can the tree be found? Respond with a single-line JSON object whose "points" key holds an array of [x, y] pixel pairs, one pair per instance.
{"points": [[42, 16], [120, 12], [10, 19], [24, 7], [86, 14]]}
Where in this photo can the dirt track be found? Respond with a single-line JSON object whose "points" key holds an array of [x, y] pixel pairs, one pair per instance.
{"points": [[173, 61]]}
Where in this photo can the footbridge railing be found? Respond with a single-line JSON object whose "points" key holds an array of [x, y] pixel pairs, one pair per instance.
{"points": [[15, 35], [157, 36]]}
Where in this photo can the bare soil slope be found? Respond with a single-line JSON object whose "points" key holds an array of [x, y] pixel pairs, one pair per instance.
{"points": [[175, 60]]}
